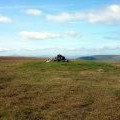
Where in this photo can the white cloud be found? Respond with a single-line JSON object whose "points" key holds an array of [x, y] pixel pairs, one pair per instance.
{"points": [[34, 12], [109, 14], [62, 17], [1, 50], [39, 35], [4, 49], [47, 35], [66, 17], [4, 19], [71, 33], [93, 49]]}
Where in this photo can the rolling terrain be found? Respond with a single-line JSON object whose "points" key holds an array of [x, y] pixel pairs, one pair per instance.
{"points": [[110, 58], [31, 89]]}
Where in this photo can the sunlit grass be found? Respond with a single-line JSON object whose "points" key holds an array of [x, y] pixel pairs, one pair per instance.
{"points": [[78, 90]]}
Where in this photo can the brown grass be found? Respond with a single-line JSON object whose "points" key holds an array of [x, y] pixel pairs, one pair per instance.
{"points": [[31, 89]]}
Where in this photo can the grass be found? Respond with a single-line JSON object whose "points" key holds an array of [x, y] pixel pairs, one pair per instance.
{"points": [[31, 89]]}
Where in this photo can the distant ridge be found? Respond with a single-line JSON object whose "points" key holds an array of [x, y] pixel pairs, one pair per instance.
{"points": [[112, 58]]}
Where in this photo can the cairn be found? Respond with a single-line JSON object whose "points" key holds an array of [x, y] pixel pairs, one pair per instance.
{"points": [[58, 58]]}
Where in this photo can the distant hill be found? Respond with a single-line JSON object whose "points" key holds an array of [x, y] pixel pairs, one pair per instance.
{"points": [[112, 58]]}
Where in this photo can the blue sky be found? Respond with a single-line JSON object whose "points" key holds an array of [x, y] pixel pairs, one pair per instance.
{"points": [[72, 28]]}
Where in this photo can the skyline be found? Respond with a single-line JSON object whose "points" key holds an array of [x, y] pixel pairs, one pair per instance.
{"points": [[72, 28]]}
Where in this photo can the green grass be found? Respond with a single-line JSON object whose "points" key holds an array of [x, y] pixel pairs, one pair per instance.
{"points": [[78, 90]]}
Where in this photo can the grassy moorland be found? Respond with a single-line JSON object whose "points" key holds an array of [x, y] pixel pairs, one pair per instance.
{"points": [[31, 89]]}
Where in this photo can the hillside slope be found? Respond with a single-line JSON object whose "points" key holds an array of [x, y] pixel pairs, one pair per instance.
{"points": [[114, 58], [78, 90]]}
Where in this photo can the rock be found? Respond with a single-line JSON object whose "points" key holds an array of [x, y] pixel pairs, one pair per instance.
{"points": [[58, 58], [100, 70]]}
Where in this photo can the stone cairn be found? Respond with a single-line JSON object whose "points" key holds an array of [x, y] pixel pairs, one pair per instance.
{"points": [[58, 58]]}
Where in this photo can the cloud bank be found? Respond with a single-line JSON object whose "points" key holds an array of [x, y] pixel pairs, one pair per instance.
{"points": [[34, 12], [46, 35], [38, 35], [4, 49], [110, 14], [4, 19]]}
